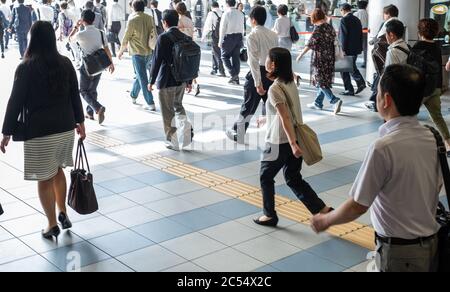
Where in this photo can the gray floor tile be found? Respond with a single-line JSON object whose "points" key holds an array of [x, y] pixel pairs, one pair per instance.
{"points": [[267, 249], [204, 197], [171, 206], [25, 193], [96, 227], [74, 257], [365, 267], [306, 262], [16, 210], [41, 245], [101, 192], [233, 209], [266, 269], [155, 177], [122, 242], [134, 216], [192, 246], [228, 260], [235, 172], [151, 259], [103, 175], [134, 169], [35, 264], [13, 250], [185, 268], [231, 233], [26, 225], [122, 185], [4, 234], [178, 187], [162, 230], [300, 235], [341, 252], [146, 195], [114, 204], [108, 266], [212, 164], [199, 219], [6, 198]]}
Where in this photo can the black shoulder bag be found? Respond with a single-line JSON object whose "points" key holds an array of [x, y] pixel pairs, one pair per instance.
{"points": [[82, 196], [97, 62], [443, 216]]}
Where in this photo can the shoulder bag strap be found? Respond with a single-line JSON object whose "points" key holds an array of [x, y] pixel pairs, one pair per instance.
{"points": [[291, 107], [442, 154]]}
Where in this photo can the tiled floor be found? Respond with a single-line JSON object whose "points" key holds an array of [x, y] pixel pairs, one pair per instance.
{"points": [[150, 220]]}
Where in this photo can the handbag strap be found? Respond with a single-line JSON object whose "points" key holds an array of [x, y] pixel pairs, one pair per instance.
{"points": [[442, 154], [81, 156]]}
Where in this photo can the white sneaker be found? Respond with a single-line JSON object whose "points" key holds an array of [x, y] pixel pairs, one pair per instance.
{"points": [[338, 107], [151, 108], [172, 146], [313, 106], [134, 100]]}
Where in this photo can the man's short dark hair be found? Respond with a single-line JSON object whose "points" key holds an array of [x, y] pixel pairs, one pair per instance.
{"points": [[396, 27], [406, 85], [139, 5], [89, 5], [20, 1], [215, 4], [391, 10], [3, 1], [64, 5], [346, 7], [171, 17], [88, 16], [259, 14], [231, 3], [283, 9], [44, 2], [154, 3], [362, 4]]}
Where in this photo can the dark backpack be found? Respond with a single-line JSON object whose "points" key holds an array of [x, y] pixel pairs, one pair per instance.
{"points": [[422, 60], [216, 28], [186, 59]]}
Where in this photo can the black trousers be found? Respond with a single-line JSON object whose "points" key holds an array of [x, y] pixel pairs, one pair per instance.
{"points": [[275, 158], [217, 57], [252, 99], [356, 76], [376, 81], [231, 50], [115, 30]]}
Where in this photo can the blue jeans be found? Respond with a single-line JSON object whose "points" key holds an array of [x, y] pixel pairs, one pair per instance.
{"points": [[325, 92], [22, 38], [141, 65]]}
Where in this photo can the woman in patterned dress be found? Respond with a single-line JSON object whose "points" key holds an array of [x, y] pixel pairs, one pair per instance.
{"points": [[322, 62]]}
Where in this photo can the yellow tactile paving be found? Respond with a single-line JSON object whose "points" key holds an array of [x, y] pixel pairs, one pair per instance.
{"points": [[355, 232]]}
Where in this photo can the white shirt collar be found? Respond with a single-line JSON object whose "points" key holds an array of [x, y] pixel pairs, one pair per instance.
{"points": [[398, 123]]}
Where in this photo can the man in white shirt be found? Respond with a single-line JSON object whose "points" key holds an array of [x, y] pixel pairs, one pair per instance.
{"points": [[6, 10], [116, 15], [390, 13], [212, 25], [398, 49], [90, 40], [259, 42], [363, 16], [45, 12], [231, 40], [400, 180]]}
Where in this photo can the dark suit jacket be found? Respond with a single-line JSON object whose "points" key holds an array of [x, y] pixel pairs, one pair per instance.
{"points": [[161, 73], [351, 35], [159, 28], [21, 19]]}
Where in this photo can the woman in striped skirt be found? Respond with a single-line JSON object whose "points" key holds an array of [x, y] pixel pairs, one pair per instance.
{"points": [[44, 110]]}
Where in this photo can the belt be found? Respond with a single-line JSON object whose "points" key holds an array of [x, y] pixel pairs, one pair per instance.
{"points": [[400, 241]]}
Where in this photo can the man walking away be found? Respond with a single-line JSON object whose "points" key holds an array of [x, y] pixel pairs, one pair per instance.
{"points": [[116, 15], [231, 40], [157, 16], [212, 25], [21, 21], [351, 39]]}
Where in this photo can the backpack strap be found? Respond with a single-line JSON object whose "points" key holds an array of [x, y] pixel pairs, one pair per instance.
{"points": [[403, 50], [442, 154]]}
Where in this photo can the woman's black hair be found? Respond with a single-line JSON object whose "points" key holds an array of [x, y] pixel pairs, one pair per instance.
{"points": [[283, 65], [43, 57]]}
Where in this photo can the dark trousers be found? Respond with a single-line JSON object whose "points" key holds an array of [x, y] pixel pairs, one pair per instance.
{"points": [[252, 99], [2, 42], [7, 36], [115, 30], [217, 58], [231, 49], [365, 47], [88, 90], [376, 81], [22, 39], [356, 76], [277, 157]]}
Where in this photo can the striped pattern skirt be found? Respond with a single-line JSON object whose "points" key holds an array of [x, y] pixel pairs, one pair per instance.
{"points": [[44, 156]]}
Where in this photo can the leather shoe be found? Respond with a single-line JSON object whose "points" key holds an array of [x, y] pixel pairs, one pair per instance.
{"points": [[360, 89], [270, 223], [347, 93]]}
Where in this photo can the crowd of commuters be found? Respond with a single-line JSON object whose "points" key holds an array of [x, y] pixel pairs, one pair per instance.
{"points": [[46, 98]]}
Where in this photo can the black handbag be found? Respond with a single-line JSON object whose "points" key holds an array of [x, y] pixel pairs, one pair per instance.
{"points": [[443, 216], [294, 34], [82, 198], [1, 210], [97, 62], [243, 55]]}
